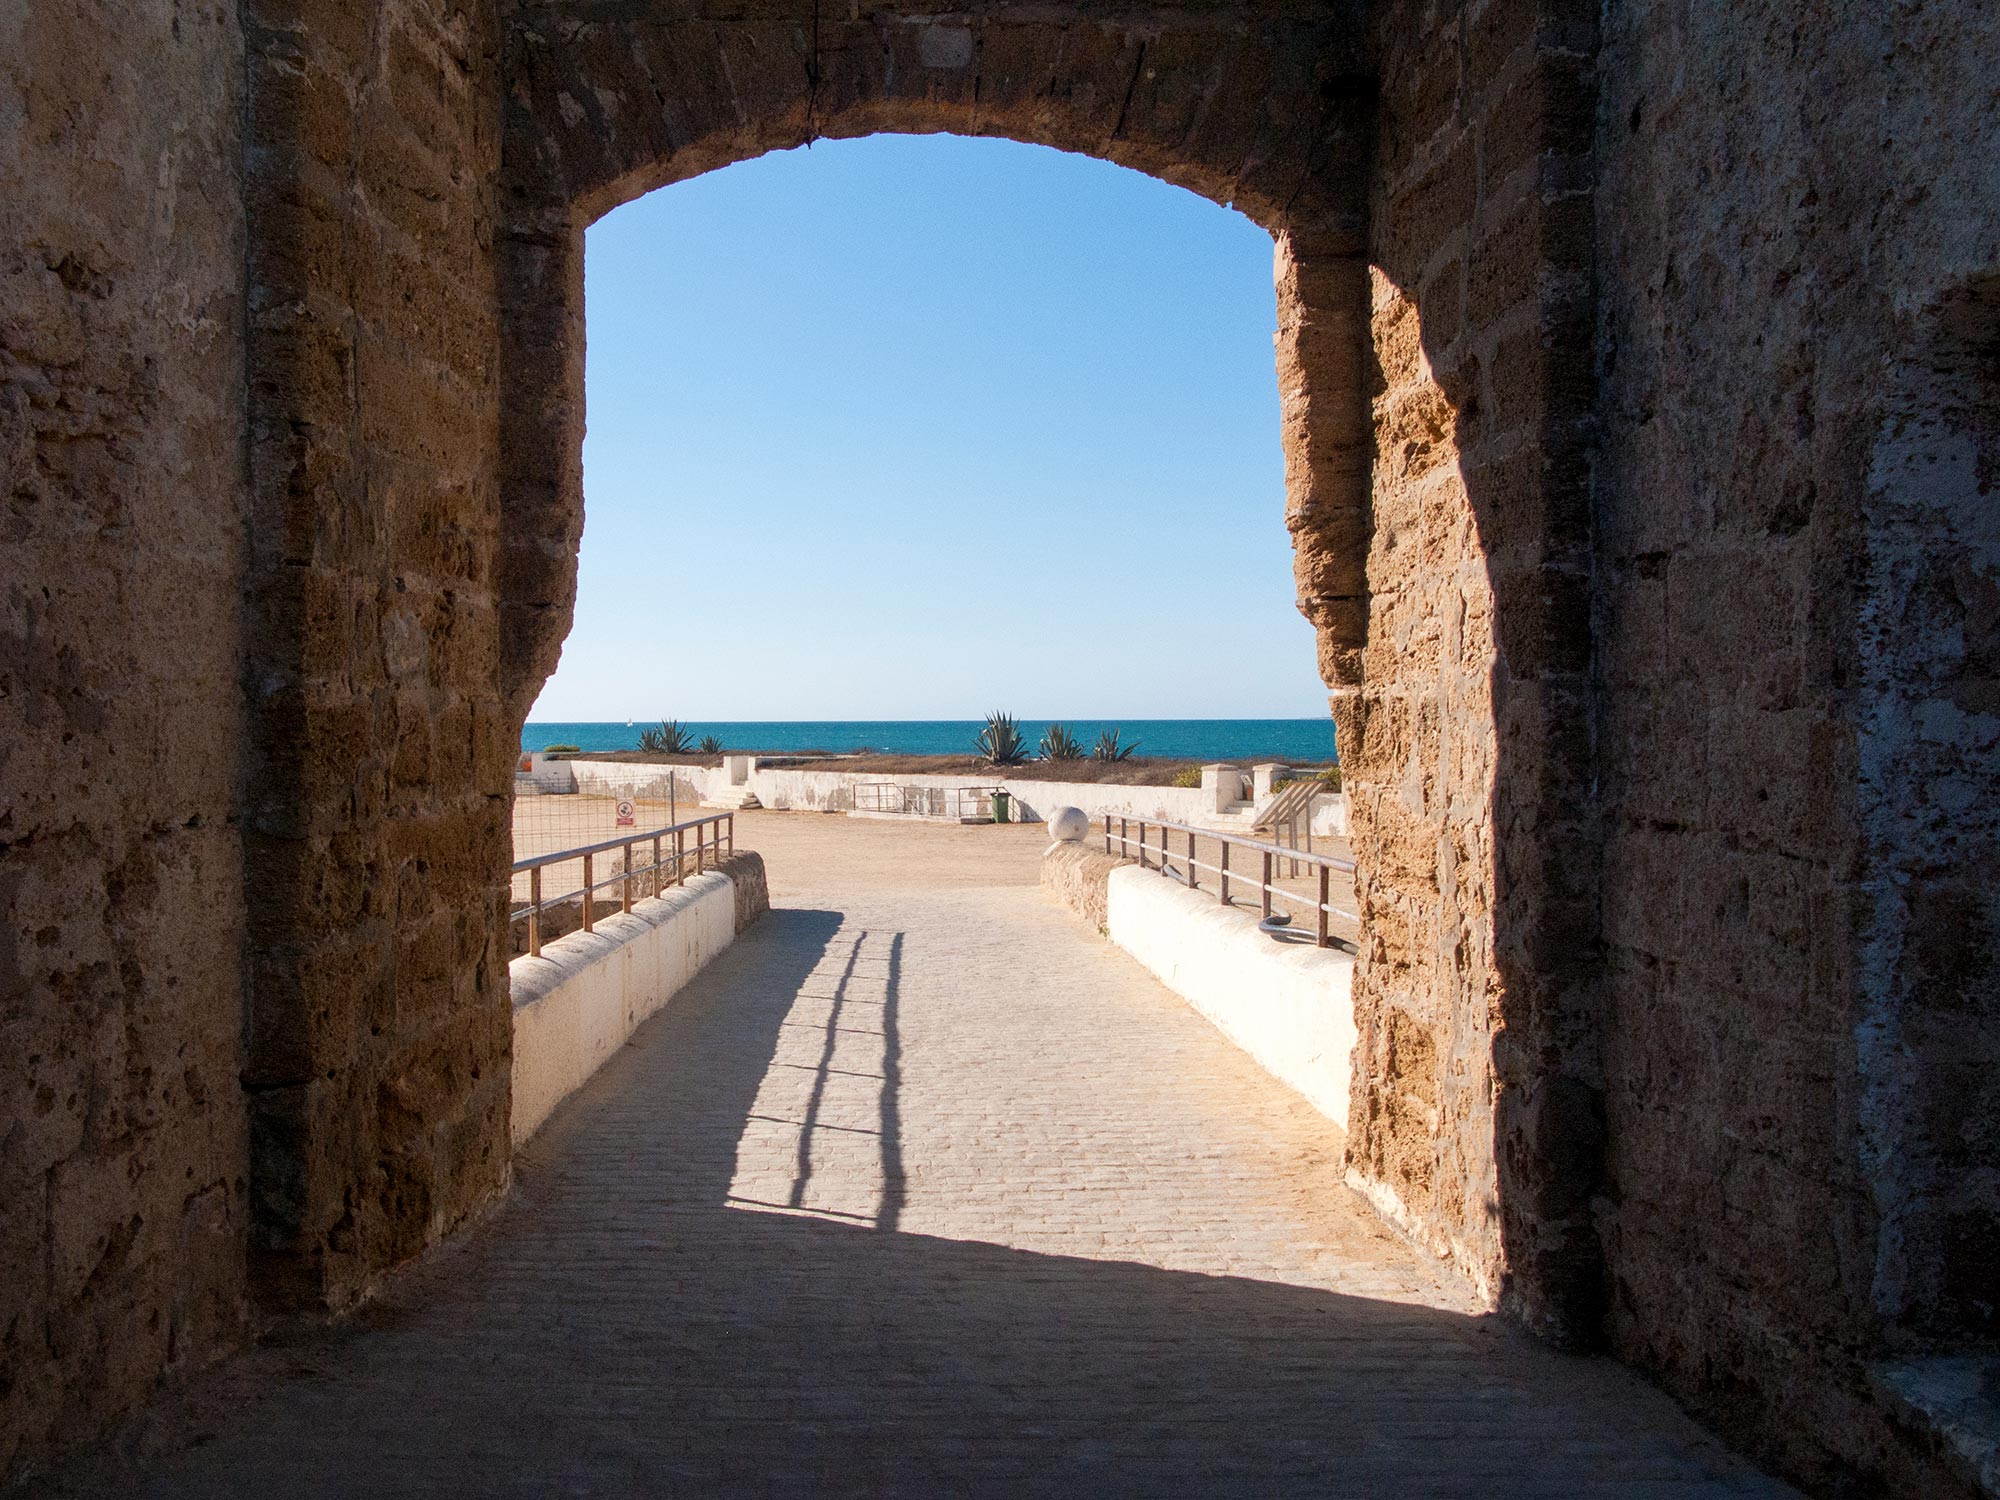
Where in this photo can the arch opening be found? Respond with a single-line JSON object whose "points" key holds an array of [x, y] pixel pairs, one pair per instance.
{"points": [[910, 421], [581, 140]]}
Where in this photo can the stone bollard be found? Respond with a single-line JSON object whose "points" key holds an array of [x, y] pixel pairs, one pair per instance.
{"points": [[1068, 825]]}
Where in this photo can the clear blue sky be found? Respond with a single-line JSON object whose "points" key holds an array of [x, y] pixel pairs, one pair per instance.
{"points": [[918, 427]]}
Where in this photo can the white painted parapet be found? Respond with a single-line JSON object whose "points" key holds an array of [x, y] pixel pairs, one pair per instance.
{"points": [[535, 774], [576, 1004], [1290, 1005], [1329, 815], [820, 789]]}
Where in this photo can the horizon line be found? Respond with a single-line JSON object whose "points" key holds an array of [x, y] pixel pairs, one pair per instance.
{"points": [[976, 719]]}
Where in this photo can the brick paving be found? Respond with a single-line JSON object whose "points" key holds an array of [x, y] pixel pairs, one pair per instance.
{"points": [[922, 1189]]}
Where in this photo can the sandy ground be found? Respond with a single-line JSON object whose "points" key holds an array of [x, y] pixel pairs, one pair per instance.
{"points": [[806, 851]]}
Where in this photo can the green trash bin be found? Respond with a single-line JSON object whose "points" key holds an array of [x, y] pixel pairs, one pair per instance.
{"points": [[1001, 801]]}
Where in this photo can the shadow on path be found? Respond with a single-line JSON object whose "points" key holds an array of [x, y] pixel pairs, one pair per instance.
{"points": [[621, 1329]]}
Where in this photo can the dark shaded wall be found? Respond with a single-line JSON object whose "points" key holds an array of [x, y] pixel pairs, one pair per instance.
{"points": [[1464, 731], [123, 1159], [1799, 208], [377, 825]]}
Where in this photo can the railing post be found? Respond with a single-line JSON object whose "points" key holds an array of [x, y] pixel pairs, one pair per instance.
{"points": [[1322, 905], [1124, 844], [732, 835], [700, 841], [1267, 884], [680, 851], [588, 916], [1107, 833], [535, 911], [1142, 845], [625, 885], [1225, 871], [1194, 877], [656, 864]]}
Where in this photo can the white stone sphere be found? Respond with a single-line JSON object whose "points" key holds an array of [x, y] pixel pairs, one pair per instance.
{"points": [[1068, 825]]}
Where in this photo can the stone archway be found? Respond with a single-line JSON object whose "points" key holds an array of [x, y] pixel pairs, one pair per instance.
{"points": [[1456, 665], [289, 519], [418, 191]]}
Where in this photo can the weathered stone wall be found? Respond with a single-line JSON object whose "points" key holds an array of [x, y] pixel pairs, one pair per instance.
{"points": [[746, 873], [122, 1144], [381, 770], [1463, 721], [1077, 875], [1798, 576]]}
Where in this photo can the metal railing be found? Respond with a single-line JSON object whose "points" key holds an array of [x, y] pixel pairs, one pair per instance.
{"points": [[959, 802], [1290, 806], [714, 838], [1324, 864]]}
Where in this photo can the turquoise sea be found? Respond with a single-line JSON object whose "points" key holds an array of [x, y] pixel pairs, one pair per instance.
{"points": [[1300, 740]]}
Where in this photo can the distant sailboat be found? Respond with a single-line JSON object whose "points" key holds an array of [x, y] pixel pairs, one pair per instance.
{"points": [[628, 723]]}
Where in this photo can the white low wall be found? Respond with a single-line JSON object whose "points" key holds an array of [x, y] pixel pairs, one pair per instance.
{"points": [[577, 1003], [1289, 1005], [826, 790]]}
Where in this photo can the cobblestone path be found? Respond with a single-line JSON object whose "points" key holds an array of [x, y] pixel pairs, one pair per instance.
{"points": [[928, 1191]]}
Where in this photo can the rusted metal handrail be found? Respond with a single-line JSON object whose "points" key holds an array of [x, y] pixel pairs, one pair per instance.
{"points": [[708, 848], [1325, 864]]}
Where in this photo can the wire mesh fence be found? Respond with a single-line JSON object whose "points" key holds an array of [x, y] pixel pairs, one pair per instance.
{"points": [[963, 803], [546, 825]]}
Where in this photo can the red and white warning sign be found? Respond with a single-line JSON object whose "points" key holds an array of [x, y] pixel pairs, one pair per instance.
{"points": [[625, 812]]}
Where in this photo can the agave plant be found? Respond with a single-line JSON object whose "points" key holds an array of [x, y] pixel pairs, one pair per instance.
{"points": [[1059, 744], [1108, 748], [710, 745], [671, 738], [1000, 742]]}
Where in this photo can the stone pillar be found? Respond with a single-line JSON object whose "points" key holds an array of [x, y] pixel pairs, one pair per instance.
{"points": [[1221, 786], [1264, 779], [381, 753], [1464, 724]]}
